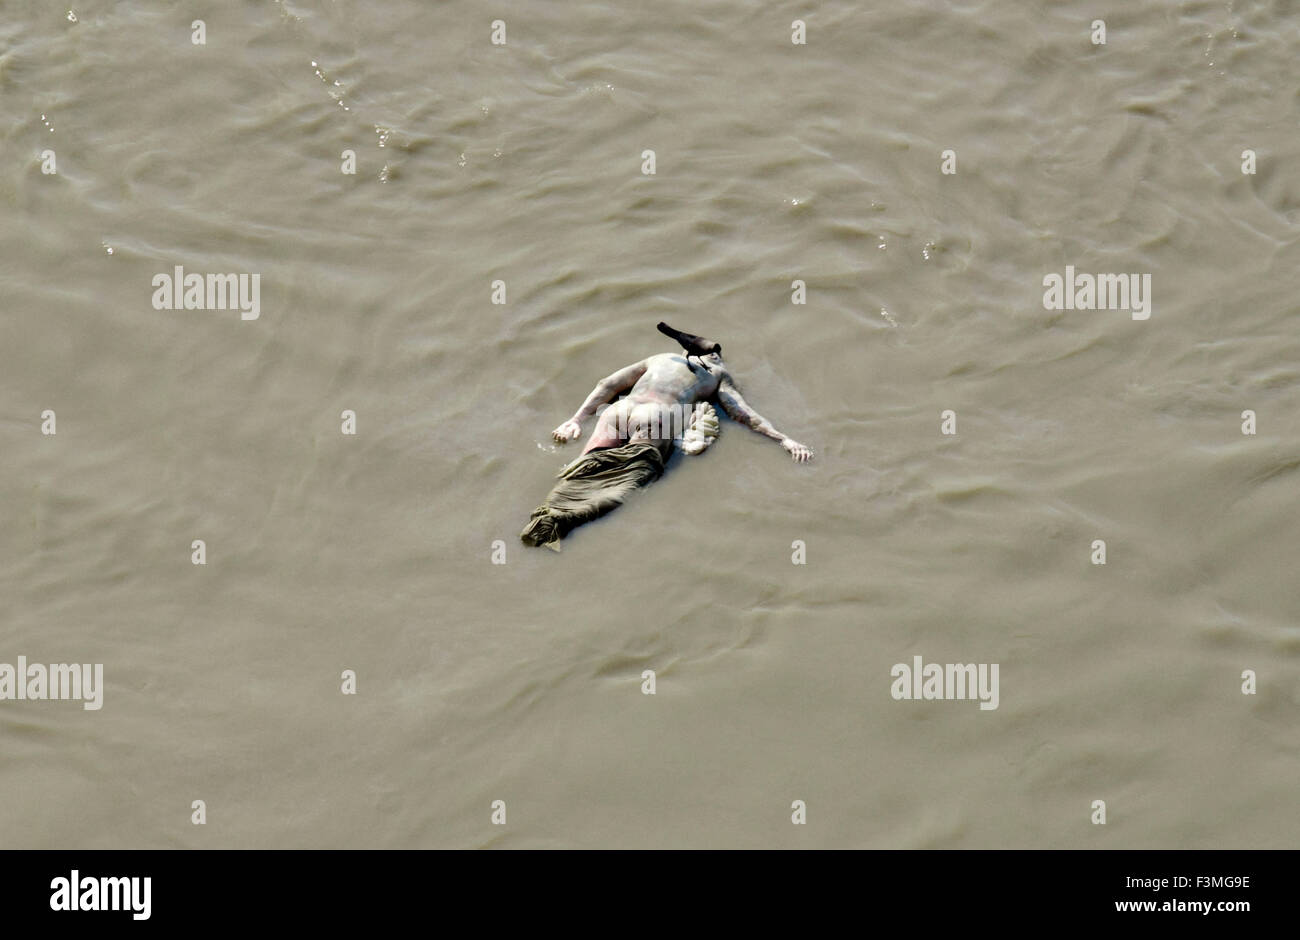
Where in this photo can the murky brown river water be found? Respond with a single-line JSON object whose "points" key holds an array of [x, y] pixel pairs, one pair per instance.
{"points": [[774, 162]]}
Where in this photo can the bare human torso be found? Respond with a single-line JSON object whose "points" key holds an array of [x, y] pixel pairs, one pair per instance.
{"points": [[661, 392]]}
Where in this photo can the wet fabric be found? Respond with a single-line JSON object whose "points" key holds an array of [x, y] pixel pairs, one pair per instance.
{"points": [[703, 430], [591, 486]]}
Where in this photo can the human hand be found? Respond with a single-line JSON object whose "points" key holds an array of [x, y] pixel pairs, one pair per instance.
{"points": [[798, 452], [568, 431]]}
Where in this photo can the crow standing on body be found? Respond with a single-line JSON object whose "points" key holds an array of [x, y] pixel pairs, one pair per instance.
{"points": [[696, 346]]}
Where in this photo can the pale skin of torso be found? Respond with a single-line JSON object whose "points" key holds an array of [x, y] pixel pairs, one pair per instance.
{"points": [[653, 386]]}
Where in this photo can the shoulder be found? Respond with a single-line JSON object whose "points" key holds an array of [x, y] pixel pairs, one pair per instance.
{"points": [[725, 392]]}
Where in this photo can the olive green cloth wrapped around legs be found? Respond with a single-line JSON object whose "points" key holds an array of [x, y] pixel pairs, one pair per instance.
{"points": [[591, 486]]}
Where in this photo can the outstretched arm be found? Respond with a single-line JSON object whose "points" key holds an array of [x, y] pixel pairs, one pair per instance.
{"points": [[606, 390], [734, 404]]}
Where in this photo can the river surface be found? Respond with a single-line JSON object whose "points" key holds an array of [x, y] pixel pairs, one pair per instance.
{"points": [[524, 163]]}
